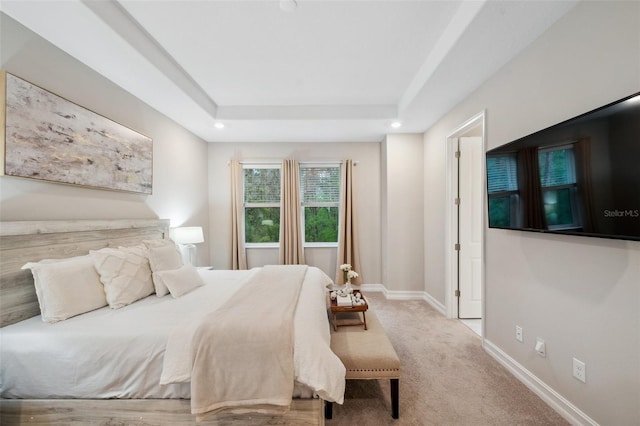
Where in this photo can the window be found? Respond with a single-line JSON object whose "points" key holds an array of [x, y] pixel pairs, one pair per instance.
{"points": [[261, 189], [502, 185], [559, 188], [320, 198]]}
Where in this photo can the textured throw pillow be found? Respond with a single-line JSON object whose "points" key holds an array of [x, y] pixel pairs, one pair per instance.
{"points": [[66, 287], [181, 281], [163, 258], [125, 274]]}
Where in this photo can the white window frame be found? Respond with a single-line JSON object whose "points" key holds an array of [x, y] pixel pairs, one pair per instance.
{"points": [[309, 165]]}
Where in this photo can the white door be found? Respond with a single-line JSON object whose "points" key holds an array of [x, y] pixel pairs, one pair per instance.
{"points": [[470, 193]]}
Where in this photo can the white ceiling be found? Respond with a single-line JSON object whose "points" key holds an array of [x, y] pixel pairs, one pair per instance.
{"points": [[327, 71]]}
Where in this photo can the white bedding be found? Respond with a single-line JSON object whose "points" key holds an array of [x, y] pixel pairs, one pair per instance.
{"points": [[119, 353]]}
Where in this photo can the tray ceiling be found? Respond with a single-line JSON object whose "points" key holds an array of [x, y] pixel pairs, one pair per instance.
{"points": [[325, 71]]}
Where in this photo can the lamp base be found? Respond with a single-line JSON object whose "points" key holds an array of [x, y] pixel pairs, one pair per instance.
{"points": [[189, 254]]}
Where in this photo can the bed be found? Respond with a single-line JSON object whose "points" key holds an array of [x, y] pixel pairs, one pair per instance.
{"points": [[160, 322]]}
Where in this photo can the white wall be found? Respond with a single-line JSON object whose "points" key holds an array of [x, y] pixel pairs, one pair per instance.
{"points": [[179, 158], [403, 213], [367, 190], [580, 294]]}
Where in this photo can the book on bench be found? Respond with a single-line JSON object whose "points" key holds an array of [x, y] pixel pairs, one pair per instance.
{"points": [[344, 300]]}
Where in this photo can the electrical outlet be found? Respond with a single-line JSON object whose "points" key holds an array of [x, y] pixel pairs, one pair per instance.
{"points": [[580, 370], [519, 337]]}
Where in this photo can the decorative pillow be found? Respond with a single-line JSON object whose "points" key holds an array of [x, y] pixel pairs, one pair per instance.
{"points": [[181, 281], [125, 274], [163, 258], [66, 287]]}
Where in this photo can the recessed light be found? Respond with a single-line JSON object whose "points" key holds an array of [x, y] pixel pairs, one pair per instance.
{"points": [[396, 124], [288, 5], [219, 125]]}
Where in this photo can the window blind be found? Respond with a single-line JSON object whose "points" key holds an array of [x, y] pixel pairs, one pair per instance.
{"points": [[503, 174], [320, 184], [262, 185]]}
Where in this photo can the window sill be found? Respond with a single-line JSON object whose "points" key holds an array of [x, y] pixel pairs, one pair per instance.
{"points": [[320, 245], [275, 246], [261, 246]]}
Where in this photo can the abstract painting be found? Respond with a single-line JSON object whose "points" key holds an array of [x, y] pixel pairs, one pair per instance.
{"points": [[49, 138]]}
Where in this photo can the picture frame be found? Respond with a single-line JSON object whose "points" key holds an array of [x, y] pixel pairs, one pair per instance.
{"points": [[49, 138]]}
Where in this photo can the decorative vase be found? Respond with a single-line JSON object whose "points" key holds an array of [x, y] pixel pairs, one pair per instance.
{"points": [[347, 287]]}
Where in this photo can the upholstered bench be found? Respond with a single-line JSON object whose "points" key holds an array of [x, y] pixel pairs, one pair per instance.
{"points": [[367, 355]]}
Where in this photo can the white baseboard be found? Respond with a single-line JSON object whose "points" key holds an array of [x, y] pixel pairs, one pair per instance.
{"points": [[393, 294], [378, 288], [434, 303], [405, 295], [566, 409]]}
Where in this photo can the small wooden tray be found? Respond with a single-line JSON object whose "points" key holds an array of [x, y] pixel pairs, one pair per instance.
{"points": [[359, 308], [335, 310]]}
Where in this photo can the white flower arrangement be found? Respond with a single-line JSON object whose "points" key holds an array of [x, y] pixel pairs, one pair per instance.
{"points": [[349, 274], [345, 267]]}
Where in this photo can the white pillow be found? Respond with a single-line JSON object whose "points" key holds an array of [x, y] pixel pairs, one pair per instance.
{"points": [[181, 281], [66, 287], [125, 274], [163, 258]]}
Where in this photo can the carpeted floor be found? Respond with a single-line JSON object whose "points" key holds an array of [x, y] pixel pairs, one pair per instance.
{"points": [[447, 378]]}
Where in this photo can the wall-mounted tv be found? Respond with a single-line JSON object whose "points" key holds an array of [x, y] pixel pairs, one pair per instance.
{"points": [[578, 177]]}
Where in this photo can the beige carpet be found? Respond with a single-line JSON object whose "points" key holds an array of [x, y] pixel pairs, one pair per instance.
{"points": [[447, 378]]}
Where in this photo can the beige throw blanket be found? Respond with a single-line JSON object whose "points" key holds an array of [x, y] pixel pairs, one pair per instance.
{"points": [[243, 352]]}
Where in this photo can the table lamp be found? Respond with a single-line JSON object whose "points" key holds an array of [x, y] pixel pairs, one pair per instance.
{"points": [[187, 237]]}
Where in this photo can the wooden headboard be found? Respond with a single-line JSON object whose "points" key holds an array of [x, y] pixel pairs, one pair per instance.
{"points": [[31, 241]]}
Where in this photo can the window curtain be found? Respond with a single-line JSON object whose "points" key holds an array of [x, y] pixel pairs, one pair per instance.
{"points": [[582, 150], [348, 228], [530, 189], [291, 248], [238, 254]]}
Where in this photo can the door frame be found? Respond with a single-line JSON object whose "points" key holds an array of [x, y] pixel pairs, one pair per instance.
{"points": [[451, 217]]}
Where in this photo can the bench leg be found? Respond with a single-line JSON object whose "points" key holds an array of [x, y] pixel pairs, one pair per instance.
{"points": [[395, 398], [328, 410]]}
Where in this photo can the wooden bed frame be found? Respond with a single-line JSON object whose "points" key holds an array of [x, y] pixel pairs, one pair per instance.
{"points": [[30, 241]]}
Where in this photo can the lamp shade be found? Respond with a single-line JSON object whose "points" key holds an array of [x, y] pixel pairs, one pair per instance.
{"points": [[188, 235]]}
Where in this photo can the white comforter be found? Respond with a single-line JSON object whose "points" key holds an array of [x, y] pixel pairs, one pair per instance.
{"points": [[119, 353]]}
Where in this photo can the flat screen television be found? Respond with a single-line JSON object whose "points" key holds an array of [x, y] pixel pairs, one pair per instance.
{"points": [[578, 177]]}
